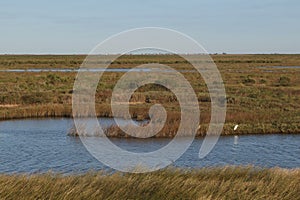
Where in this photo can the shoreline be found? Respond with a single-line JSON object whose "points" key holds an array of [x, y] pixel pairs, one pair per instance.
{"points": [[64, 111]]}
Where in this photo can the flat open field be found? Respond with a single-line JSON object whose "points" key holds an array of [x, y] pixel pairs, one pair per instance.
{"points": [[261, 99], [206, 183]]}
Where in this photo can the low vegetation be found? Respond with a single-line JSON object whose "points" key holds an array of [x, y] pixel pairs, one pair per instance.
{"points": [[206, 183], [260, 98]]}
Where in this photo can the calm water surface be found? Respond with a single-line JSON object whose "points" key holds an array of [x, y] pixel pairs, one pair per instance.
{"points": [[37, 70], [282, 67], [91, 70], [32, 146]]}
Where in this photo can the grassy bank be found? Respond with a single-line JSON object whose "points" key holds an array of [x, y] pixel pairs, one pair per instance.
{"points": [[207, 183], [259, 98]]}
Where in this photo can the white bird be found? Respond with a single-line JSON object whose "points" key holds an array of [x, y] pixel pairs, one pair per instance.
{"points": [[236, 137], [235, 127]]}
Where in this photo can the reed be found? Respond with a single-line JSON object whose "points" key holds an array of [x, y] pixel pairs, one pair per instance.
{"points": [[206, 183], [170, 130]]}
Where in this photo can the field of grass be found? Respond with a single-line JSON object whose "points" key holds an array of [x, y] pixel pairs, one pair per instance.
{"points": [[262, 100], [207, 183], [259, 98]]}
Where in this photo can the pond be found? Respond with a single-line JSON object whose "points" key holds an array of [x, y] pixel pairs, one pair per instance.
{"points": [[40, 145], [35, 70], [282, 67]]}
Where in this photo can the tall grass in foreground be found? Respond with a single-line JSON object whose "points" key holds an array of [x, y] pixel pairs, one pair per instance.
{"points": [[206, 183]]}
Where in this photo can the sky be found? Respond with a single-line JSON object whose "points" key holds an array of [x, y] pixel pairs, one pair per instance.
{"points": [[76, 27]]}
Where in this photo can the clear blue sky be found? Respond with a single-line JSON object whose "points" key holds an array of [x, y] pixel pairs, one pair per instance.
{"points": [[232, 26]]}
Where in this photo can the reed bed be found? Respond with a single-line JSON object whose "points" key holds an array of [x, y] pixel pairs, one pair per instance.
{"points": [[170, 130]]}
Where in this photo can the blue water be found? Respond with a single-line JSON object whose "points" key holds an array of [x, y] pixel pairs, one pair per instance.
{"points": [[123, 69], [34, 146], [282, 67], [91, 70]]}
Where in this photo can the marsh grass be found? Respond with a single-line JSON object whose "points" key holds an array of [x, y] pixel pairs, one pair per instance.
{"points": [[260, 99], [206, 183], [170, 129]]}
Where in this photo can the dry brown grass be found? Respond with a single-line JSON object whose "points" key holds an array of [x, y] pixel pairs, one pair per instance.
{"points": [[207, 183], [260, 99], [8, 105]]}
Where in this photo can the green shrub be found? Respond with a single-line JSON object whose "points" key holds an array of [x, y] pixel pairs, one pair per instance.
{"points": [[52, 78], [231, 100], [253, 96], [262, 81], [204, 98], [37, 97], [284, 81], [248, 80]]}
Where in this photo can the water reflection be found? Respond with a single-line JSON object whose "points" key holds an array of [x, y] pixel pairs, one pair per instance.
{"points": [[41, 145]]}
